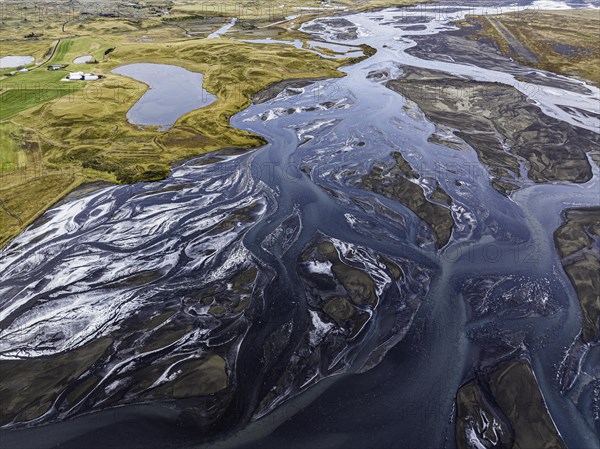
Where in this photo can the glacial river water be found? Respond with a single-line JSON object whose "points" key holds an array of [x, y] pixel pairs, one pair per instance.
{"points": [[321, 138]]}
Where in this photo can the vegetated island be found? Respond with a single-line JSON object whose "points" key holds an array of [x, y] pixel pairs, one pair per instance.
{"points": [[502, 405], [507, 132], [578, 243]]}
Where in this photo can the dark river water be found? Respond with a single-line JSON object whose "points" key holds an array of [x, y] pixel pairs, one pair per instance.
{"points": [[307, 172]]}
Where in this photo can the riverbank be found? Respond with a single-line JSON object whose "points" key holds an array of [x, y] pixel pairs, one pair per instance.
{"points": [[513, 138], [79, 133], [564, 42], [503, 405], [577, 242]]}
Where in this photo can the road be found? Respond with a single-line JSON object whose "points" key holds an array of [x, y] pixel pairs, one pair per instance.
{"points": [[516, 46]]}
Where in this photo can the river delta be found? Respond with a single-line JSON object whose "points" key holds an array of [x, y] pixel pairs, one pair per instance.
{"points": [[407, 262]]}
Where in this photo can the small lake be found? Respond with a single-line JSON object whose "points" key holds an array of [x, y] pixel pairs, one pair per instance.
{"points": [[15, 61], [174, 91], [82, 59]]}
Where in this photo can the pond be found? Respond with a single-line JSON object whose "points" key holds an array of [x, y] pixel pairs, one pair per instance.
{"points": [[82, 59], [15, 61], [174, 91]]}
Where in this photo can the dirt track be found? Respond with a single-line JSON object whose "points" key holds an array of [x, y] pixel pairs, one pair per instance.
{"points": [[514, 43]]}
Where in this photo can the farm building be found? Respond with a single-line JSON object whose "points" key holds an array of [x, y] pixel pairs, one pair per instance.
{"points": [[80, 76]]}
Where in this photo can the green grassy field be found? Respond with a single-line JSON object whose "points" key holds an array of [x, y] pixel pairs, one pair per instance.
{"points": [[26, 90], [11, 154], [72, 48], [63, 48], [17, 99]]}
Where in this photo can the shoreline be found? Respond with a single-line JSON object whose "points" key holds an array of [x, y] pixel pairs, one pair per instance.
{"points": [[98, 183], [265, 93], [182, 123]]}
